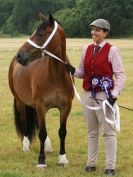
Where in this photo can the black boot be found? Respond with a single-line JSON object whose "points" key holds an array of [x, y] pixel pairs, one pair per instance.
{"points": [[109, 172], [90, 169]]}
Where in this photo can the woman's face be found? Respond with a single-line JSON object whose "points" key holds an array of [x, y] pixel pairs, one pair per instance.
{"points": [[98, 34]]}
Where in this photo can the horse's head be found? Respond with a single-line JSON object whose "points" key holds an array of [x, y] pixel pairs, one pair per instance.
{"points": [[49, 35]]}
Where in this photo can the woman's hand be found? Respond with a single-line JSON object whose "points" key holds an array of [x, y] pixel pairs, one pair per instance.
{"points": [[112, 100], [70, 68]]}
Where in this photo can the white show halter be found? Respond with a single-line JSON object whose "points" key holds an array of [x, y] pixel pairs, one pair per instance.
{"points": [[116, 115], [48, 40]]}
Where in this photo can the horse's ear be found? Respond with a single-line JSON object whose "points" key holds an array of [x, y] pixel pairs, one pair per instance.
{"points": [[42, 17], [51, 19]]}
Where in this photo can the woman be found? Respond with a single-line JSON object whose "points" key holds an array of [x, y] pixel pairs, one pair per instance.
{"points": [[100, 62]]}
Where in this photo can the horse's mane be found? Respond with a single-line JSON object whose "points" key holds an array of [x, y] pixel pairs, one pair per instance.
{"points": [[58, 22]]}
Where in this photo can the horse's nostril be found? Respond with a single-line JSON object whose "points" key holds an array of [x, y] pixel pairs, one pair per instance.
{"points": [[23, 58], [26, 56], [18, 56]]}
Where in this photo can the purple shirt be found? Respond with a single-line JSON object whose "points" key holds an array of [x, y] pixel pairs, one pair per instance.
{"points": [[115, 59]]}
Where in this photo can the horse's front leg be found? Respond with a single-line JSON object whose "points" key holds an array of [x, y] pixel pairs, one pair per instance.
{"points": [[42, 135], [62, 134]]}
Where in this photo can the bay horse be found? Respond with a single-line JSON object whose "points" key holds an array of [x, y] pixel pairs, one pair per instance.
{"points": [[39, 82]]}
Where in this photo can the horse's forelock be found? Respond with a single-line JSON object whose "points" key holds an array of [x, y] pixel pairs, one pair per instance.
{"points": [[42, 26]]}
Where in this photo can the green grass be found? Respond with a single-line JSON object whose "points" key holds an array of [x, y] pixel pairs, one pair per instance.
{"points": [[15, 163]]}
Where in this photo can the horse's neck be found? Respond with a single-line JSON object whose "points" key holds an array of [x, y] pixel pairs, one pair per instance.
{"points": [[57, 61], [56, 67], [61, 54], [67, 59], [64, 57]]}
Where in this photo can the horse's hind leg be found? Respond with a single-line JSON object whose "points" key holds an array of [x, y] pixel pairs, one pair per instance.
{"points": [[20, 122], [62, 134], [25, 121], [42, 134]]}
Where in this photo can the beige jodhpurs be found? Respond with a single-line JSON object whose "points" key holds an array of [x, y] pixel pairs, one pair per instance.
{"points": [[96, 122]]}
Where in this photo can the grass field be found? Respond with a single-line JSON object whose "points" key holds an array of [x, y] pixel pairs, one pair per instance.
{"points": [[15, 163]]}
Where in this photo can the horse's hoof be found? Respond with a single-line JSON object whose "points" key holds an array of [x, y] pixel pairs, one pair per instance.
{"points": [[25, 149], [41, 166], [64, 165], [63, 160]]}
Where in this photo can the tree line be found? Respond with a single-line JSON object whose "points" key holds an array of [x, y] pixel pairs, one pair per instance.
{"points": [[21, 16]]}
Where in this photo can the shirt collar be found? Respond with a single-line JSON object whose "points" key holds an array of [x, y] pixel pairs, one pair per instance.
{"points": [[102, 43]]}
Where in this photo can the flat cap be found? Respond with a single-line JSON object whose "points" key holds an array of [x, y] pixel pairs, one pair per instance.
{"points": [[101, 23]]}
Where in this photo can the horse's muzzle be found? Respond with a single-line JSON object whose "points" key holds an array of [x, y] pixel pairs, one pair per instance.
{"points": [[23, 58]]}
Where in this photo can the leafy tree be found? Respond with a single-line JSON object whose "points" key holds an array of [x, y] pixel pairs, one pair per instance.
{"points": [[20, 16], [69, 3], [6, 8], [118, 12], [25, 13], [69, 20]]}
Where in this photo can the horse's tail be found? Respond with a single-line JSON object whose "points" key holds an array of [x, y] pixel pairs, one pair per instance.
{"points": [[28, 126]]}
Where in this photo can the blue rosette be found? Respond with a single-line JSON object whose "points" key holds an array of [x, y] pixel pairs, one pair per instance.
{"points": [[106, 85], [95, 83]]}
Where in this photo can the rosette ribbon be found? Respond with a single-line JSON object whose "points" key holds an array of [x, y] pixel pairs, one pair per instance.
{"points": [[95, 83], [106, 85]]}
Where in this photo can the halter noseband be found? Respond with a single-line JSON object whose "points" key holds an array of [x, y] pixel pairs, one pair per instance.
{"points": [[47, 41]]}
